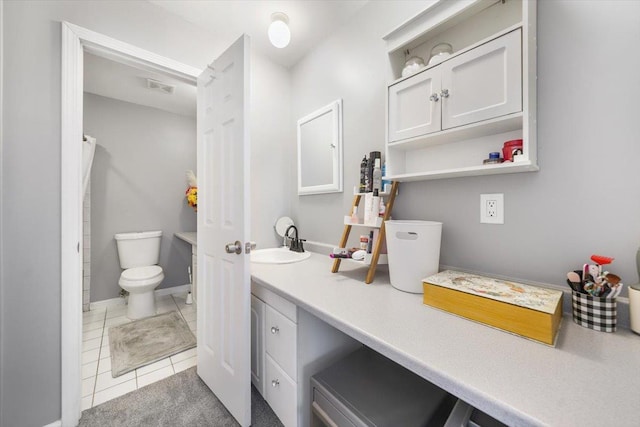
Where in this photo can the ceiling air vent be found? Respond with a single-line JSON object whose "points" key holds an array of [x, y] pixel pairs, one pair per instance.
{"points": [[160, 86]]}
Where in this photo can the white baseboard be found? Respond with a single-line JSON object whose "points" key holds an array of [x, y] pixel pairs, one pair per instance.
{"points": [[173, 290], [107, 303], [122, 301], [55, 424]]}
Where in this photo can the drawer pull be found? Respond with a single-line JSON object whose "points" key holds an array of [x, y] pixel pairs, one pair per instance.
{"points": [[275, 330], [275, 383]]}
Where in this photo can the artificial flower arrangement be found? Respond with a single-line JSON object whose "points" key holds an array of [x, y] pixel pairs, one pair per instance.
{"points": [[192, 191]]}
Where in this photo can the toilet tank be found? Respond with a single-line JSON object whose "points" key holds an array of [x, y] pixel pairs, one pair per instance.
{"points": [[140, 249]]}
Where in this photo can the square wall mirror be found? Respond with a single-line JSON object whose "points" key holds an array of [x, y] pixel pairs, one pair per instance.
{"points": [[320, 150]]}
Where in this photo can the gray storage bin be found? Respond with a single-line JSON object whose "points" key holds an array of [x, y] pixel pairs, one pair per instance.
{"points": [[465, 415], [366, 389]]}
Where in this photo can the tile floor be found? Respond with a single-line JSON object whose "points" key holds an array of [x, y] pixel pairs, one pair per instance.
{"points": [[97, 384]]}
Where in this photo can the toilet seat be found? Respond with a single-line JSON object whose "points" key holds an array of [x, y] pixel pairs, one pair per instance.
{"points": [[140, 276]]}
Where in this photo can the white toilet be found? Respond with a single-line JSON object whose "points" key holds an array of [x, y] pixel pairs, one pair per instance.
{"points": [[139, 254]]}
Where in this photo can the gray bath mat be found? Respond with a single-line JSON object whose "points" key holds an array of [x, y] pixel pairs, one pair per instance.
{"points": [[148, 340]]}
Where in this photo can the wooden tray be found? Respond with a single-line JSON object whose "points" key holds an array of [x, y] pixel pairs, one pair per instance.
{"points": [[529, 311]]}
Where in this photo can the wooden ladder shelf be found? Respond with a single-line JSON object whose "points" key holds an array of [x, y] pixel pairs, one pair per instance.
{"points": [[375, 253]]}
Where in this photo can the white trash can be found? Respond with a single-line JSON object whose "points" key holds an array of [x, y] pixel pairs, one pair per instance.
{"points": [[414, 252]]}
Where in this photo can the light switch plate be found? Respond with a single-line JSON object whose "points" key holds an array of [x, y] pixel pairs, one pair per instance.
{"points": [[492, 208]]}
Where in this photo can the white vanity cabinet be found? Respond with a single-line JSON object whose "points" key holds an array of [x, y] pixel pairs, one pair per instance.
{"points": [[257, 343], [273, 352], [445, 120], [280, 332], [288, 346], [481, 84]]}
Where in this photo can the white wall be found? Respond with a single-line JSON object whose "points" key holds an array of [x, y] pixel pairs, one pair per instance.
{"points": [[585, 198], [137, 184], [30, 193], [351, 64], [272, 150]]}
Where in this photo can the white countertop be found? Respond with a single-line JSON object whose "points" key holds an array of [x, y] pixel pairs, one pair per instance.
{"points": [[188, 236], [589, 379]]}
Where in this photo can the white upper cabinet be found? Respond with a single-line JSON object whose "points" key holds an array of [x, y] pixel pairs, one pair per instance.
{"points": [[444, 120], [413, 106], [483, 83]]}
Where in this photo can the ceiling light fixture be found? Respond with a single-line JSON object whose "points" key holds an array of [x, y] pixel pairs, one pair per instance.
{"points": [[279, 33]]}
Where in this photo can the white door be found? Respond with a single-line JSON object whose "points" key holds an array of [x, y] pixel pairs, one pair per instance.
{"points": [[484, 83], [414, 106], [224, 288]]}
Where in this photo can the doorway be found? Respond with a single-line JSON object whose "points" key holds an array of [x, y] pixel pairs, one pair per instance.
{"points": [[75, 42], [223, 349]]}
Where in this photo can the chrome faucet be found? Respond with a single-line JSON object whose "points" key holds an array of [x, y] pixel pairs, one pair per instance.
{"points": [[295, 243]]}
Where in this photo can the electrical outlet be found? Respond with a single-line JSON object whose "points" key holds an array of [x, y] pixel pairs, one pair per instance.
{"points": [[492, 208]]}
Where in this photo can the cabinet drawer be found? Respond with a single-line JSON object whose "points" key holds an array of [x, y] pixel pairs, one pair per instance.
{"points": [[281, 340], [281, 393]]}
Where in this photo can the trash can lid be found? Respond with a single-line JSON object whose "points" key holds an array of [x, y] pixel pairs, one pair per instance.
{"points": [[412, 222]]}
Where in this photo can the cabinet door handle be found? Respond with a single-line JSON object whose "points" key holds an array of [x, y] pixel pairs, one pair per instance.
{"points": [[275, 383], [444, 93], [434, 97], [275, 330]]}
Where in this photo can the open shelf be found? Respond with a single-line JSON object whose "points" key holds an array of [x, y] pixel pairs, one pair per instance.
{"points": [[376, 256], [377, 224], [493, 169], [382, 259]]}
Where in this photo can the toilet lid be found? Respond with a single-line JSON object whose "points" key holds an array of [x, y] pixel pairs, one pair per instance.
{"points": [[141, 273]]}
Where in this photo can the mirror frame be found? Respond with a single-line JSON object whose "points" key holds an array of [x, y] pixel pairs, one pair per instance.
{"points": [[335, 108]]}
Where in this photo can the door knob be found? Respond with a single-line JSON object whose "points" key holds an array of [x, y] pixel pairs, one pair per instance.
{"points": [[234, 248], [275, 330], [249, 246], [275, 383], [444, 93], [434, 97]]}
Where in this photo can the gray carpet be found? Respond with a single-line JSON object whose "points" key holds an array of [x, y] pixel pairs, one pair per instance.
{"points": [[148, 340], [181, 400]]}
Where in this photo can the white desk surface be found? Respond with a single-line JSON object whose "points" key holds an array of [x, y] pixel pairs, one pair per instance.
{"points": [[589, 379]]}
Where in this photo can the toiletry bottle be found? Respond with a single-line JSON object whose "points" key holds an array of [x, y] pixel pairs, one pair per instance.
{"points": [[377, 177], [368, 208], [364, 242], [367, 176], [363, 175], [375, 206], [372, 157], [383, 208], [354, 215], [385, 182]]}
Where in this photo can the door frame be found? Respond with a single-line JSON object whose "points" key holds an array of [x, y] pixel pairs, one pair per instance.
{"points": [[75, 41]]}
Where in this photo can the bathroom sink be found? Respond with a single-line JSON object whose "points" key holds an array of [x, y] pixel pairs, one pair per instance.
{"points": [[277, 256]]}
